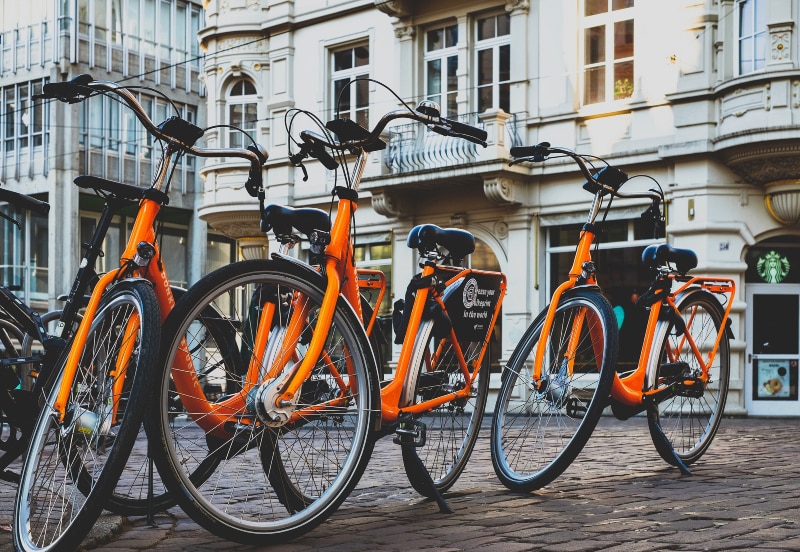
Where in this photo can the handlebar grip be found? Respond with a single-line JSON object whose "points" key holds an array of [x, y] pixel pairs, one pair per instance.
{"points": [[539, 152], [71, 91], [25, 201], [466, 130]]}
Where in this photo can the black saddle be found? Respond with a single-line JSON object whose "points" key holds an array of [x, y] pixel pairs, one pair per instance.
{"points": [[658, 255], [428, 237], [305, 220]]}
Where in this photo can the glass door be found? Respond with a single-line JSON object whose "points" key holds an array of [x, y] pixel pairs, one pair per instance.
{"points": [[773, 349]]}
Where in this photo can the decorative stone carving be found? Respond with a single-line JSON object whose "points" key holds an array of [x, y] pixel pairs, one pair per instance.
{"points": [[395, 8], [388, 205], [500, 191], [767, 162], [518, 7]]}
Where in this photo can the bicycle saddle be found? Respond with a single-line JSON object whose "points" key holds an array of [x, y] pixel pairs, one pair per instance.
{"points": [[659, 254], [426, 237], [305, 220]]}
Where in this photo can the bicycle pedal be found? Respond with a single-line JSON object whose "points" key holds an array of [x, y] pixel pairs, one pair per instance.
{"points": [[674, 369], [411, 433], [692, 388]]}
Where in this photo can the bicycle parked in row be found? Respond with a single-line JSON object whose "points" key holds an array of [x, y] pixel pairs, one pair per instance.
{"points": [[25, 346], [94, 394], [562, 374], [296, 344]]}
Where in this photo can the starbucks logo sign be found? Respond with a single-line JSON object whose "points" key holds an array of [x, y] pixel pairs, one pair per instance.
{"points": [[772, 267]]}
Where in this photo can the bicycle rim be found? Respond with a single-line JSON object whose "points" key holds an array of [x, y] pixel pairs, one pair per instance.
{"points": [[72, 466], [239, 478], [452, 428], [690, 422], [538, 432]]}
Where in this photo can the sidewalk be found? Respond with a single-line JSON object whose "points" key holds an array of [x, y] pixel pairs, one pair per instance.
{"points": [[617, 496]]}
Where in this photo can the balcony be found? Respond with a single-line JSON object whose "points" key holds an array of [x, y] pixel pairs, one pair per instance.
{"points": [[417, 160]]}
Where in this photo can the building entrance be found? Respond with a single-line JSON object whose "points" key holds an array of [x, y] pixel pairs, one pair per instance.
{"points": [[773, 349]]}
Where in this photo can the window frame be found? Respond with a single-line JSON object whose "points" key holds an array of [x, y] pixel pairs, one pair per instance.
{"points": [[234, 138], [606, 20], [356, 111], [764, 33], [445, 96], [495, 44]]}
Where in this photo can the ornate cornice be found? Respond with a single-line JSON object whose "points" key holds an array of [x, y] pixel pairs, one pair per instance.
{"points": [[765, 162]]}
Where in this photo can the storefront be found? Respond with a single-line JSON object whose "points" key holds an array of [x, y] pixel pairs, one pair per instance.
{"points": [[773, 327]]}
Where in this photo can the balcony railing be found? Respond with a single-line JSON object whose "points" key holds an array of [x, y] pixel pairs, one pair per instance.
{"points": [[413, 147]]}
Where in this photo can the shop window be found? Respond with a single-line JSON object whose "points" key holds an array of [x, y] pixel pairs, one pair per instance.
{"points": [[620, 272]]}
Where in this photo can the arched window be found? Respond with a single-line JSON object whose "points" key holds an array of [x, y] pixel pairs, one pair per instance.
{"points": [[242, 112]]}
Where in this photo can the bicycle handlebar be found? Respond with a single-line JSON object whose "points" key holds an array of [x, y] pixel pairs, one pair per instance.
{"points": [[361, 139], [610, 182], [25, 202], [175, 131]]}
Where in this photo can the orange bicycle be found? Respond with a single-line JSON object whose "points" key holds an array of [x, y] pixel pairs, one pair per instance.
{"points": [[562, 374], [94, 396], [302, 397]]}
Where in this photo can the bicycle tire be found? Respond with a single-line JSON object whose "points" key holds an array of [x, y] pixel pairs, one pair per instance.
{"points": [[537, 434], [452, 428], [72, 468], [300, 485], [690, 423]]}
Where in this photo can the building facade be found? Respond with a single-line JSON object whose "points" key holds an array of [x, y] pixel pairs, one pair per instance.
{"points": [[44, 145], [702, 97]]}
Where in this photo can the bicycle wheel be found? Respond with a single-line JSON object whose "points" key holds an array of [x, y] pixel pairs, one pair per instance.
{"points": [[538, 432], [232, 470], [73, 465], [690, 419], [452, 428]]}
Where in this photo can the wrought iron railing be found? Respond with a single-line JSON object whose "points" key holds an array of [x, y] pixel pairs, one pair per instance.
{"points": [[413, 147]]}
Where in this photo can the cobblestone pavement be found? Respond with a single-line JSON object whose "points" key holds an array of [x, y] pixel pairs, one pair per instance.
{"points": [[617, 496]]}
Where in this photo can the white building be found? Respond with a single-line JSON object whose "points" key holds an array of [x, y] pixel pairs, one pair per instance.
{"points": [[44, 145], [701, 95]]}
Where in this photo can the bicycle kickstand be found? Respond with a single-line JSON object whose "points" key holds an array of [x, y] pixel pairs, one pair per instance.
{"points": [[411, 435], [666, 445]]}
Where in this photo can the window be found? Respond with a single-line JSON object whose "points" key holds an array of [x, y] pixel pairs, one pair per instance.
{"points": [[351, 100], [21, 120], [23, 261], [493, 55], [752, 36], [242, 112], [441, 67], [608, 50], [622, 274]]}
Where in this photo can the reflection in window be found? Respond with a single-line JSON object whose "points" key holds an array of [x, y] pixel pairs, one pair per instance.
{"points": [[493, 54], [21, 120], [441, 68], [752, 36], [608, 40], [351, 100], [242, 112], [23, 264]]}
